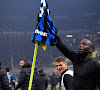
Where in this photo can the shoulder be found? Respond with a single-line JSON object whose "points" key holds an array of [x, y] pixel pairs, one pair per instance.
{"points": [[25, 71], [12, 76], [2, 72], [69, 72], [68, 76], [96, 64]]}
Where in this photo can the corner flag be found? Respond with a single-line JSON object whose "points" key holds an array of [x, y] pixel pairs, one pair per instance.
{"points": [[44, 34], [45, 30]]}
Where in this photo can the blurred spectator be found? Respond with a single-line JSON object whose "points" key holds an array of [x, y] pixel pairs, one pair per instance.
{"points": [[53, 81], [41, 80], [96, 53], [59, 81], [23, 83], [34, 79], [4, 83], [10, 78]]}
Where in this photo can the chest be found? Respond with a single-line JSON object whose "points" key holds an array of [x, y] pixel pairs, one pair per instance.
{"points": [[84, 70]]}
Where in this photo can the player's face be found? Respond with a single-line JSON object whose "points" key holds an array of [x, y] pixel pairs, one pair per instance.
{"points": [[84, 47], [21, 63], [61, 66]]}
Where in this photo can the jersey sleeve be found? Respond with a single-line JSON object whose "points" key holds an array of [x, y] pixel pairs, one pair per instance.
{"points": [[12, 78]]}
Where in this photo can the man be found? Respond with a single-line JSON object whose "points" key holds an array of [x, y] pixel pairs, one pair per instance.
{"points": [[23, 83], [10, 78], [86, 70], [41, 81], [4, 83], [66, 75]]}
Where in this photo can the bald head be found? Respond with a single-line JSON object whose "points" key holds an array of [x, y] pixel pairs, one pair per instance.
{"points": [[89, 43]]}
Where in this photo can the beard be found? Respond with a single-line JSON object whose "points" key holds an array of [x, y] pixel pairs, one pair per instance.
{"points": [[83, 54]]}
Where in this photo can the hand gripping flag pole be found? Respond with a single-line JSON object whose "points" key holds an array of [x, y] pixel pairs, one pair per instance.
{"points": [[44, 34]]}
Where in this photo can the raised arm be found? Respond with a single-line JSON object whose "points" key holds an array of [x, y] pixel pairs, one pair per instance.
{"points": [[68, 53]]}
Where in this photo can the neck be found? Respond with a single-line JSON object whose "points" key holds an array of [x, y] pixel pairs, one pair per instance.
{"points": [[84, 57], [7, 72]]}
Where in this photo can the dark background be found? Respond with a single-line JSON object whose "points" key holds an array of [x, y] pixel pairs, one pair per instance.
{"points": [[18, 18]]}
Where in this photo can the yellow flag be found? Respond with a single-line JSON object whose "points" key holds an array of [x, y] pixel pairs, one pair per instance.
{"points": [[44, 46]]}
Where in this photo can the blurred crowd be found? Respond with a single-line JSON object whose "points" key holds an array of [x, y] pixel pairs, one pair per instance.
{"points": [[41, 79]]}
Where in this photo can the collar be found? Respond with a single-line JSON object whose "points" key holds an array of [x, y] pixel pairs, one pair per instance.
{"points": [[64, 71]]}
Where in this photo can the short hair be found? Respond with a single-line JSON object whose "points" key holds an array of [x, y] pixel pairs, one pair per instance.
{"points": [[25, 61], [60, 59], [7, 69], [40, 70]]}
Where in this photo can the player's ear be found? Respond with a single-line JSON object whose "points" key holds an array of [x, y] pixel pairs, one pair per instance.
{"points": [[90, 50], [66, 64]]}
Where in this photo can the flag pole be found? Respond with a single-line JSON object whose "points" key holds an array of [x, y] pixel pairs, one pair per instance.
{"points": [[33, 66]]}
